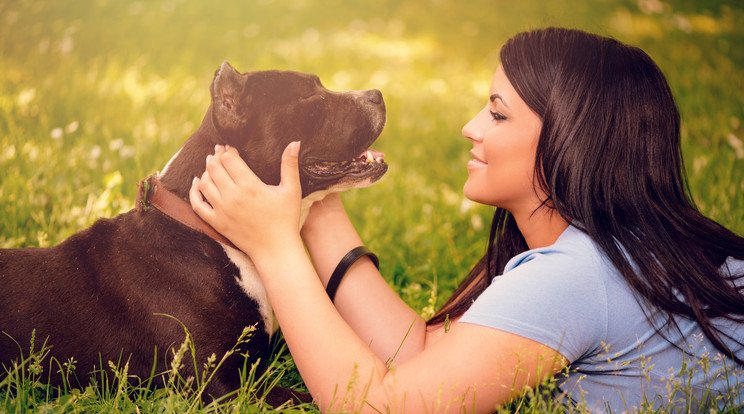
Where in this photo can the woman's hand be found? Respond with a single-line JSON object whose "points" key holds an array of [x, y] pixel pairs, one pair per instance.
{"points": [[256, 217]]}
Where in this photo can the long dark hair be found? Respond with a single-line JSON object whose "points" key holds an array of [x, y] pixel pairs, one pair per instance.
{"points": [[610, 162]]}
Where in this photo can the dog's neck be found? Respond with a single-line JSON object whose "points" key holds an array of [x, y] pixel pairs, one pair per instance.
{"points": [[190, 160]]}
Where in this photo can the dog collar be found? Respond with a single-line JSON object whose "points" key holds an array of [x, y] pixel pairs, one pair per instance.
{"points": [[153, 193]]}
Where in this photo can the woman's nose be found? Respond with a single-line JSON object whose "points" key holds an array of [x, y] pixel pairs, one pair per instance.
{"points": [[472, 131]]}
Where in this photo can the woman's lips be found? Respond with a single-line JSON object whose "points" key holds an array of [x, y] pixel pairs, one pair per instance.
{"points": [[476, 160]]}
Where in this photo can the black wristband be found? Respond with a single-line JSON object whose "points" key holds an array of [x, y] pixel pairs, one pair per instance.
{"points": [[344, 265]]}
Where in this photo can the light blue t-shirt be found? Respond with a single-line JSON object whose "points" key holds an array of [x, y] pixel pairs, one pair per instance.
{"points": [[569, 297]]}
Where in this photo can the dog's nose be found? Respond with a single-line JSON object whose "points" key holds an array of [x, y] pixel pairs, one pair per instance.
{"points": [[374, 96]]}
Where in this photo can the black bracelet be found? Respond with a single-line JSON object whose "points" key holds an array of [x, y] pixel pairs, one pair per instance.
{"points": [[344, 265]]}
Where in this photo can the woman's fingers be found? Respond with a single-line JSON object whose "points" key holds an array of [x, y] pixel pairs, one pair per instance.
{"points": [[235, 167], [209, 189], [238, 204], [290, 175], [227, 168], [217, 172], [201, 207]]}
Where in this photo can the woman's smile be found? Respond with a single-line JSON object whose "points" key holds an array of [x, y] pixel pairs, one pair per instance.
{"points": [[476, 161]]}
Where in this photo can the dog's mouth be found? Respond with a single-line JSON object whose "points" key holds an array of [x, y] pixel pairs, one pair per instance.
{"points": [[367, 166]]}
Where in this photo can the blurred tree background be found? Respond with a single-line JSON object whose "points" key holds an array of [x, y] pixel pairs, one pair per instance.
{"points": [[96, 94]]}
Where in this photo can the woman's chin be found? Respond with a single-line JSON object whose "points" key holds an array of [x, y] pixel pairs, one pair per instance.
{"points": [[470, 190]]}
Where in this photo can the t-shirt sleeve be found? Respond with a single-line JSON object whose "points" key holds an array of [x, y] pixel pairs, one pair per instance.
{"points": [[554, 298]]}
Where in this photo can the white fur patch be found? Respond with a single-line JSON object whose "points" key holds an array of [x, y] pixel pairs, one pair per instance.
{"points": [[310, 200], [165, 169], [251, 284]]}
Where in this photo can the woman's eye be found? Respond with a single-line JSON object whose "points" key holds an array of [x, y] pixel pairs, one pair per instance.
{"points": [[497, 116]]}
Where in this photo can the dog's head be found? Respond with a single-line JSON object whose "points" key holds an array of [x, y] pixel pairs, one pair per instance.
{"points": [[260, 113]]}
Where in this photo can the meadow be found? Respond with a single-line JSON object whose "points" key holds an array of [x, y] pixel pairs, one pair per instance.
{"points": [[97, 94]]}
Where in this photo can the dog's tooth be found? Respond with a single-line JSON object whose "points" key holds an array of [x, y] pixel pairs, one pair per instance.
{"points": [[370, 158], [378, 160]]}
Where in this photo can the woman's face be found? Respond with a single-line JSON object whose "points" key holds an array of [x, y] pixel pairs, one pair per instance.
{"points": [[504, 136]]}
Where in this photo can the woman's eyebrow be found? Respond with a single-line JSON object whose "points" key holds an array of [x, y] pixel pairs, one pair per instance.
{"points": [[496, 96]]}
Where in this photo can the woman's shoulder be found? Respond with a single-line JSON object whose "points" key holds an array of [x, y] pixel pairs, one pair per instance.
{"points": [[573, 254], [565, 296], [558, 295]]}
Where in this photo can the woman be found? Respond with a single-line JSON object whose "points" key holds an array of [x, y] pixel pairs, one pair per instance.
{"points": [[598, 261]]}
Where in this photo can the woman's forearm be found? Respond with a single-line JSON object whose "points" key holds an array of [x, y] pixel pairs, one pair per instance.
{"points": [[336, 365], [367, 303]]}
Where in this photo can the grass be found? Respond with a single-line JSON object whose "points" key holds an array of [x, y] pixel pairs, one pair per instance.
{"points": [[23, 386], [96, 94]]}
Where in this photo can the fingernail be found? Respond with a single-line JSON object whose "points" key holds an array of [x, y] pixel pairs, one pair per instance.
{"points": [[227, 147], [295, 149], [193, 182], [209, 157], [216, 147]]}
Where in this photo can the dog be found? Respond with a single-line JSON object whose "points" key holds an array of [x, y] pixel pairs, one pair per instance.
{"points": [[124, 289]]}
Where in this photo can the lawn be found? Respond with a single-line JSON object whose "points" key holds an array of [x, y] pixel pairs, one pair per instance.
{"points": [[97, 94]]}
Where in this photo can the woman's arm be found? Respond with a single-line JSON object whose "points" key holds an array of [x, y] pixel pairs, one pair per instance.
{"points": [[366, 302], [472, 367]]}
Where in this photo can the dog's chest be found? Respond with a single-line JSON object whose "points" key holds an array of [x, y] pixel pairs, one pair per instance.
{"points": [[251, 285]]}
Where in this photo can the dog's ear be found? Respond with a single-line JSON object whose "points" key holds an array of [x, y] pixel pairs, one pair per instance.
{"points": [[227, 91], [227, 86]]}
